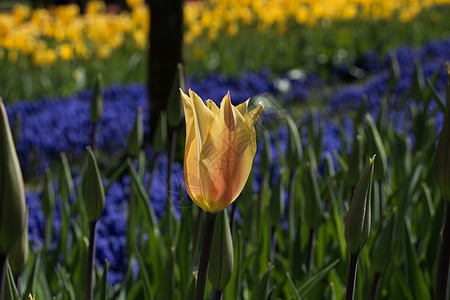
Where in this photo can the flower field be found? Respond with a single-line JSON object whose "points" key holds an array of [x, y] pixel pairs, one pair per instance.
{"points": [[354, 96]]}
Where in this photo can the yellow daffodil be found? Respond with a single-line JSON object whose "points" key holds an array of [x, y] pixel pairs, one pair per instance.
{"points": [[220, 147]]}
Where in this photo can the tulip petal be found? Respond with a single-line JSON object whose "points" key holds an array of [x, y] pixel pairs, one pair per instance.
{"points": [[212, 106], [242, 108], [252, 116], [202, 115], [226, 157], [192, 151]]}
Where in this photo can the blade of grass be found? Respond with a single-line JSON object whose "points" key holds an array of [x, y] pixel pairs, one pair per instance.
{"points": [[144, 274]]}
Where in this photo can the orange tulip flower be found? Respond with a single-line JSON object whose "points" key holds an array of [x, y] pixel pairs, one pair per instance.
{"points": [[220, 147]]}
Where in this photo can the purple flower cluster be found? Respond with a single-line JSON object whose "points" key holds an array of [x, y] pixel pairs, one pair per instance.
{"points": [[431, 57]]}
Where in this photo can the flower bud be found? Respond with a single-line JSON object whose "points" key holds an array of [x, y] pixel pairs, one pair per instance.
{"points": [[357, 224], [136, 137], [222, 258], [442, 157], [12, 190], [18, 255], [97, 100], [94, 195]]}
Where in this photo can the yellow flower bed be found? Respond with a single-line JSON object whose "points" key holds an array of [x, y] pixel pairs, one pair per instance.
{"points": [[215, 16], [62, 33]]}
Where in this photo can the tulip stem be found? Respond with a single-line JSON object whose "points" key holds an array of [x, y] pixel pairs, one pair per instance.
{"points": [[351, 280], [375, 286], [442, 286], [2, 272], [197, 234], [232, 222], [94, 135], [90, 262], [204, 257], [218, 294]]}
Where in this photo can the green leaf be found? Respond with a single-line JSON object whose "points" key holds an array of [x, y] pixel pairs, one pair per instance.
{"points": [[166, 283], [262, 288], [104, 283], [308, 285], [31, 286], [118, 172], [144, 274], [222, 261], [11, 292], [439, 101], [294, 289], [416, 278], [65, 280], [156, 244]]}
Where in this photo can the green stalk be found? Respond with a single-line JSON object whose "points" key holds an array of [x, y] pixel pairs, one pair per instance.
{"points": [[232, 218], [3, 258], [90, 262], [94, 135], [197, 234], [204, 257], [218, 294], [442, 286], [351, 280], [375, 286]]}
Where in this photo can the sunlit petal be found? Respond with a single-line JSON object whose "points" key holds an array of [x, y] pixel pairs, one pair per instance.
{"points": [[252, 116], [203, 116], [226, 158], [212, 106], [242, 108]]}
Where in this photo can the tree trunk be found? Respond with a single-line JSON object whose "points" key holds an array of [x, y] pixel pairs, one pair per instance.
{"points": [[166, 41]]}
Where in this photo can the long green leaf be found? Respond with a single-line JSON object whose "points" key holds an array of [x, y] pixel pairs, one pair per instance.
{"points": [[294, 289], [65, 280], [144, 274], [104, 284], [308, 285]]}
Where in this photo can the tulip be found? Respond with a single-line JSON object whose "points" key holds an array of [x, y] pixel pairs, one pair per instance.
{"points": [[219, 152], [12, 193], [12, 190], [218, 157]]}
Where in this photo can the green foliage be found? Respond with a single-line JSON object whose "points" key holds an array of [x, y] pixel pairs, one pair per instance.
{"points": [[270, 242]]}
